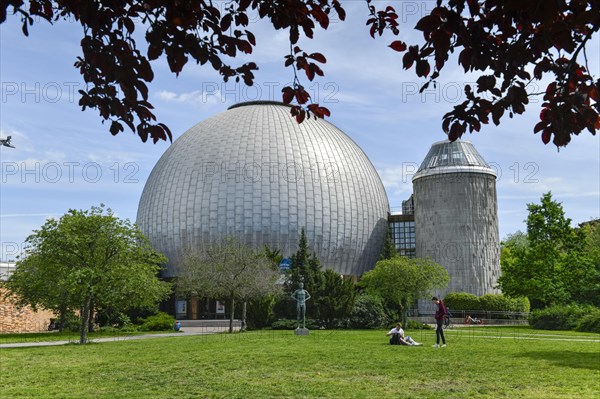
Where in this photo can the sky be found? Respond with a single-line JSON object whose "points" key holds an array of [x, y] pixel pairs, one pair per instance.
{"points": [[65, 158]]}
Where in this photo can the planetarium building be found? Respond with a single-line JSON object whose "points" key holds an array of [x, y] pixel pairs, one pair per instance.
{"points": [[252, 172]]}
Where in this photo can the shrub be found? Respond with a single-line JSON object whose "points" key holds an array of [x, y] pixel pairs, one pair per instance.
{"points": [[158, 322], [416, 325], [287, 324], [259, 312], [462, 301], [520, 304], [494, 303], [590, 322], [559, 317], [368, 312]]}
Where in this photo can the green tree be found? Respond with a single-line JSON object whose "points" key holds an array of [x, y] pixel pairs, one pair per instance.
{"points": [[538, 266], [581, 265], [89, 259], [335, 299], [230, 270], [402, 280], [389, 250], [305, 268]]}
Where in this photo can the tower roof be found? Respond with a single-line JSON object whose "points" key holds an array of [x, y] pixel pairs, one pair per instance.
{"points": [[450, 157]]}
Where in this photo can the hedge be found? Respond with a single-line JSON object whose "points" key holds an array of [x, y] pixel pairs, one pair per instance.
{"points": [[563, 317], [487, 302]]}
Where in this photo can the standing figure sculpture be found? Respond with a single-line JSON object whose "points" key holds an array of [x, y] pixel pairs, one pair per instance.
{"points": [[301, 296]]}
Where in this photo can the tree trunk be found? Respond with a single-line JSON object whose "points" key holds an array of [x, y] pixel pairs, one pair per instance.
{"points": [[91, 318], [85, 320], [232, 302], [244, 306], [63, 318]]}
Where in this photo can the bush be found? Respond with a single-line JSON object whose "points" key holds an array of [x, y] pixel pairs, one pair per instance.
{"points": [[559, 317], [590, 322], [158, 322], [462, 301], [259, 312], [368, 312], [494, 303], [416, 325], [520, 304], [287, 324]]}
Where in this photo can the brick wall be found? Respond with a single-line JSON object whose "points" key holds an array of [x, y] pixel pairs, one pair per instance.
{"points": [[15, 319]]}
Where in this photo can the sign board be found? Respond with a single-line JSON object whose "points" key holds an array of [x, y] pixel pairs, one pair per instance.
{"points": [[285, 264]]}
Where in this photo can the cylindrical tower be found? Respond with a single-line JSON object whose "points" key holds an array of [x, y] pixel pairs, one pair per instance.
{"points": [[456, 216]]}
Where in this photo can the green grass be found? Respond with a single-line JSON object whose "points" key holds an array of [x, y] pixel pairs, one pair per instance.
{"points": [[478, 362]]}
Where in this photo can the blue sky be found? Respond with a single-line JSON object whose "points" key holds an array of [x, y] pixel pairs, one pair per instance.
{"points": [[66, 158]]}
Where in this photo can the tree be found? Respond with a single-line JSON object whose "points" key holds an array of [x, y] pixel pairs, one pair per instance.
{"points": [[389, 250], [402, 280], [89, 260], [506, 44], [335, 299], [304, 268], [230, 270], [549, 264]]}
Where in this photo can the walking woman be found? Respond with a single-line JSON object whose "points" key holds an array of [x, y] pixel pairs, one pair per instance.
{"points": [[440, 312]]}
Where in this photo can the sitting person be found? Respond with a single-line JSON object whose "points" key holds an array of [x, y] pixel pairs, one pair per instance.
{"points": [[471, 320], [398, 337]]}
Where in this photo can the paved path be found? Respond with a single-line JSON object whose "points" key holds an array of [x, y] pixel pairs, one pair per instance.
{"points": [[185, 332]]}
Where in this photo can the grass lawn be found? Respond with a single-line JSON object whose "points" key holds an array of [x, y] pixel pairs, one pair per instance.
{"points": [[478, 362]]}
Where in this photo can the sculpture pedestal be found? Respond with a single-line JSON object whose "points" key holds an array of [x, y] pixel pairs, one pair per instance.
{"points": [[301, 331]]}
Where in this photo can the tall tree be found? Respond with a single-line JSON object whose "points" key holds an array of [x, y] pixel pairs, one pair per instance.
{"points": [[304, 268], [389, 250], [89, 259], [506, 44], [230, 270], [335, 300], [536, 268], [402, 280]]}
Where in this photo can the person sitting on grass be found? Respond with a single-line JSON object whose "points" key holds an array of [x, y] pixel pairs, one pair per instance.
{"points": [[471, 320], [398, 337]]}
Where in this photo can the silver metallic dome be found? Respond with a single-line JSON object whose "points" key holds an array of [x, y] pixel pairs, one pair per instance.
{"points": [[254, 173], [452, 157]]}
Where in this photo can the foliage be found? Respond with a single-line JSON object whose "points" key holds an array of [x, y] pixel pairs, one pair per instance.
{"points": [[589, 322], [416, 325], [389, 250], [304, 268], [289, 324], [462, 301], [261, 311], [227, 269], [158, 322], [487, 302], [555, 264], [520, 304], [89, 260], [335, 299], [402, 280], [505, 44], [368, 312], [559, 317]]}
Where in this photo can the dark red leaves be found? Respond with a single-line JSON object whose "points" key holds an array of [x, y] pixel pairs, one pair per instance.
{"points": [[423, 68], [398, 45]]}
